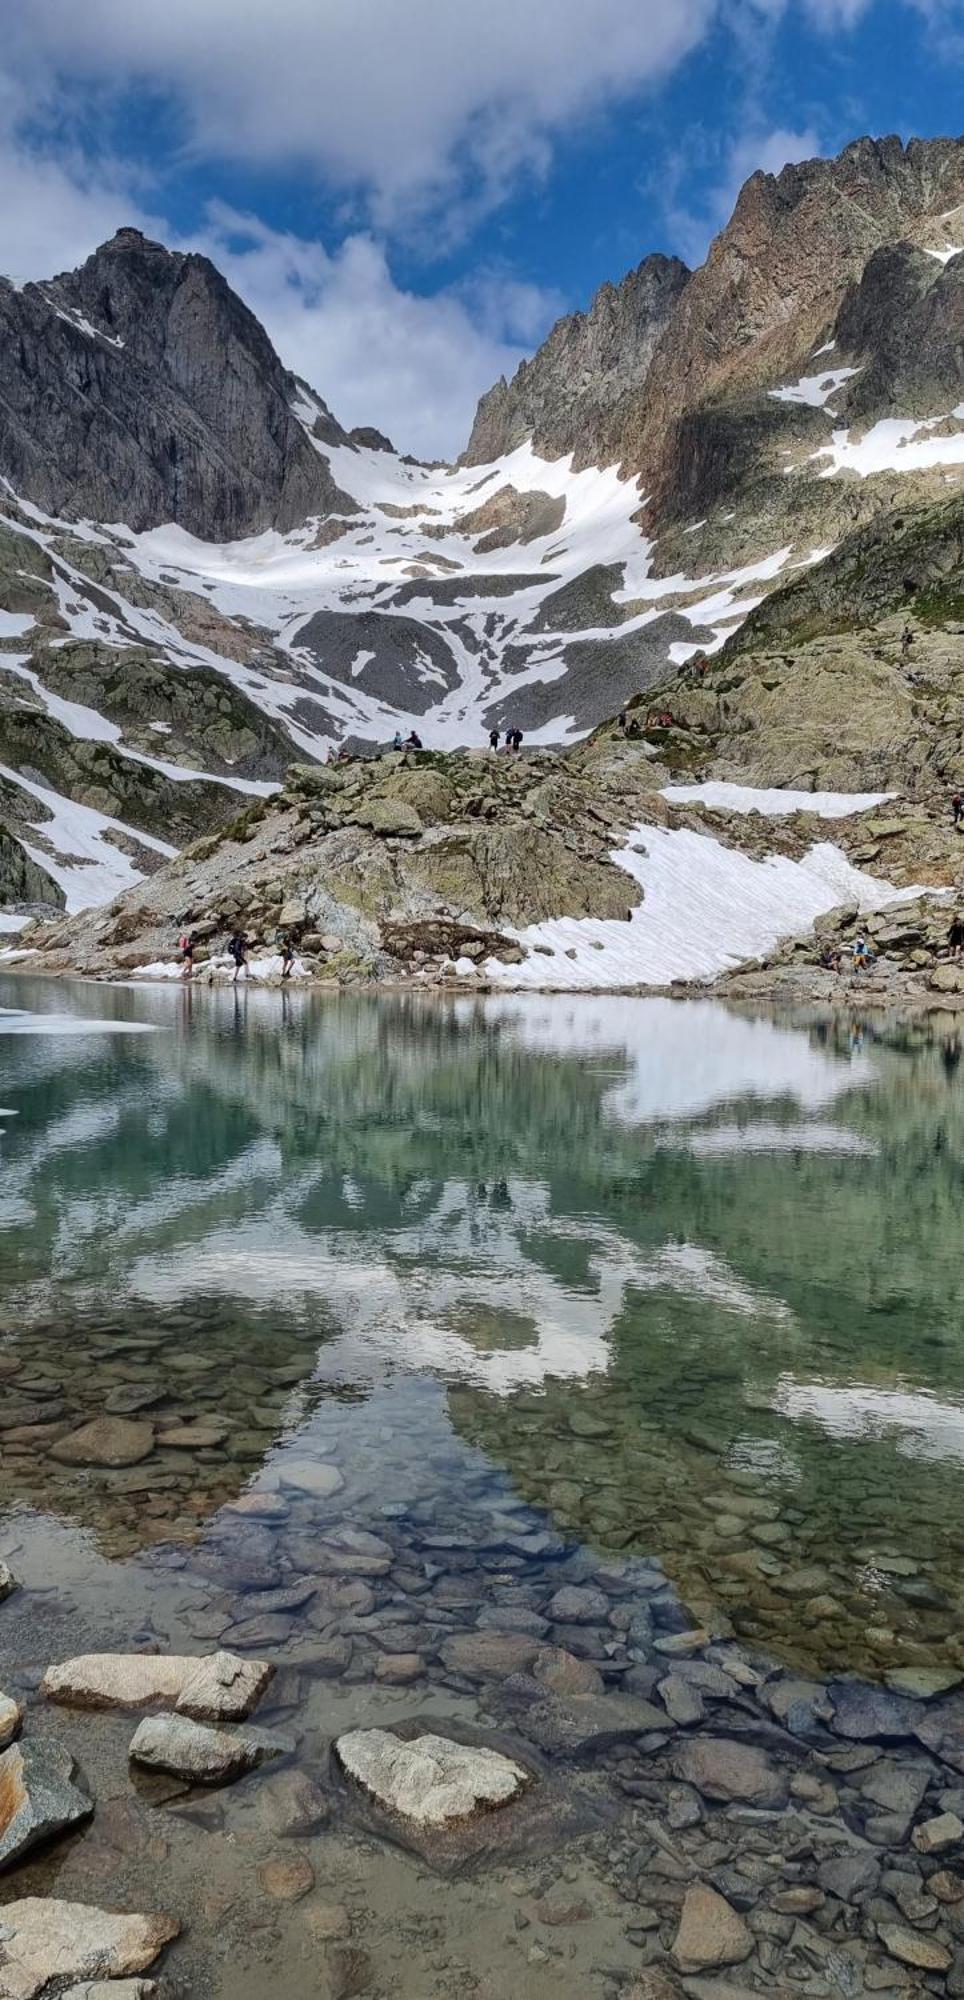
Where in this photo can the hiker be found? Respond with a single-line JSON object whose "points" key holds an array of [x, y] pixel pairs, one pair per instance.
{"points": [[517, 739], [413, 741], [957, 808], [508, 739], [493, 739], [906, 640], [621, 720], [287, 954], [185, 946], [397, 740], [955, 936], [860, 953], [238, 950]]}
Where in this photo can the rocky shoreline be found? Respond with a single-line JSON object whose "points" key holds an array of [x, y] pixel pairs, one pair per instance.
{"points": [[521, 1713]]}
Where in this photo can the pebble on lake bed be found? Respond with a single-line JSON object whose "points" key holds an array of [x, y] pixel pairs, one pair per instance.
{"points": [[430, 1780]]}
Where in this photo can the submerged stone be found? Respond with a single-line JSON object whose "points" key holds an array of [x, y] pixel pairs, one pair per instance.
{"points": [[723, 1769], [710, 1932], [45, 1942], [37, 1799], [195, 1751], [430, 1780], [106, 1441]]}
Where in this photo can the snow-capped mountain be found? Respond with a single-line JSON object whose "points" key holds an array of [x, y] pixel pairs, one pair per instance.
{"points": [[203, 576]]}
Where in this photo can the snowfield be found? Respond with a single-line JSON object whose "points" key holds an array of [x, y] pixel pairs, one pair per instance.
{"points": [[706, 909]]}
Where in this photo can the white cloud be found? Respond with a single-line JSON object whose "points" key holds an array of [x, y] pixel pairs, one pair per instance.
{"points": [[413, 366], [418, 106]]}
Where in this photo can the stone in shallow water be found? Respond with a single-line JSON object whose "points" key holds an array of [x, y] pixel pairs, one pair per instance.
{"points": [[217, 1688], [480, 1655], [11, 1719], [926, 1954], [204, 1755], [723, 1769], [923, 1683], [292, 1805], [563, 1674], [286, 1878], [936, 1835], [37, 1798], [106, 1441], [349, 1552], [308, 1475], [871, 1714], [44, 1942], [192, 1437], [431, 1780], [710, 1932], [574, 1605]]}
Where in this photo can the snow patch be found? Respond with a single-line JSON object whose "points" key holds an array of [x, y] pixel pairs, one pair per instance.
{"points": [[814, 390], [706, 909], [773, 802]]}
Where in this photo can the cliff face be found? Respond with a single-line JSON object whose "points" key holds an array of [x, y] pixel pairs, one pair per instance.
{"points": [[770, 290], [141, 389], [563, 399]]}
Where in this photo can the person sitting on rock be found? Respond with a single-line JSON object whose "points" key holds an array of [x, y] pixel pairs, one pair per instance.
{"points": [[413, 741], [397, 740], [860, 953], [238, 950]]}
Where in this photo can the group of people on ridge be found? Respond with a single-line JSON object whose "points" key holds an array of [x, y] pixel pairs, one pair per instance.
{"points": [[513, 739]]}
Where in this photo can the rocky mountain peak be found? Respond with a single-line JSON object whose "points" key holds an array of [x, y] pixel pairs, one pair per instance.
{"points": [[587, 363], [140, 388]]}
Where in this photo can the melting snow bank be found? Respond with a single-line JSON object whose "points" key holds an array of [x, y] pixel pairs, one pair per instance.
{"points": [[221, 969], [706, 909], [773, 803]]}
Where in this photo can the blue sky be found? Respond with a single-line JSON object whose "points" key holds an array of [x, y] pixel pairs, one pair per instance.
{"points": [[409, 191]]}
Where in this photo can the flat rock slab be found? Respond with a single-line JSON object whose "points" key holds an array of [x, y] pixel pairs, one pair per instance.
{"points": [[351, 1552], [11, 1719], [926, 1954], [37, 1798], [489, 1655], [313, 1476], [106, 1441], [220, 1687], [584, 1724], [112, 1989], [867, 1714], [723, 1769], [710, 1932], [431, 1780], [45, 1942], [205, 1756]]}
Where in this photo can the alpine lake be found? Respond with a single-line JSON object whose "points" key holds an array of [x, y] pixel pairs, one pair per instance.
{"points": [[581, 1377]]}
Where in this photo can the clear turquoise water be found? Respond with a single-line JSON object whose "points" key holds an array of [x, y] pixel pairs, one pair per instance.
{"points": [[688, 1282]]}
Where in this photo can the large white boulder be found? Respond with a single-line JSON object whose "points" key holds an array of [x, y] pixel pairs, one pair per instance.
{"points": [[431, 1781]]}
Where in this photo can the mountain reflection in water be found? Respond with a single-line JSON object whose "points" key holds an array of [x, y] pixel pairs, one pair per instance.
{"points": [[687, 1277]]}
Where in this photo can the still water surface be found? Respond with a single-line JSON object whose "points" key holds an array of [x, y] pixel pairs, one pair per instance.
{"points": [[654, 1260]]}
